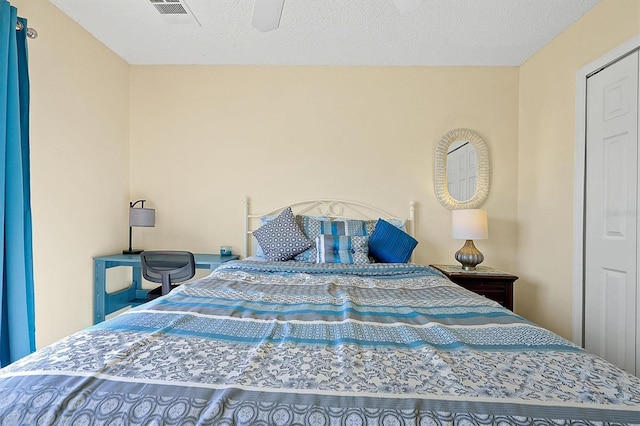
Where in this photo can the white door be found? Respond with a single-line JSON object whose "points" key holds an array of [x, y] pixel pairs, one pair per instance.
{"points": [[611, 216]]}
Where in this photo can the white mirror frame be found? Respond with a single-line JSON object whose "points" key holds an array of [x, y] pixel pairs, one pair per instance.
{"points": [[440, 179]]}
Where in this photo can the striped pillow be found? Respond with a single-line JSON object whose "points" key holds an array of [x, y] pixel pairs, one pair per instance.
{"points": [[388, 244], [351, 227], [310, 226], [355, 226], [342, 249]]}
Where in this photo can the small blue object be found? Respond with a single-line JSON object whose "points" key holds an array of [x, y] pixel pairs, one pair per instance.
{"points": [[225, 251]]}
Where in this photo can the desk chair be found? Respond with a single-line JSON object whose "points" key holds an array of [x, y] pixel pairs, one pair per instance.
{"points": [[167, 268]]}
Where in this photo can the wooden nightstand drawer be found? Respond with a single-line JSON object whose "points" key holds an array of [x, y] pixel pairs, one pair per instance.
{"points": [[491, 283], [493, 291]]}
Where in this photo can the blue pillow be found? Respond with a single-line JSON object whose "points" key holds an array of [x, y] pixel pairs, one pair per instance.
{"points": [[389, 244], [342, 249]]}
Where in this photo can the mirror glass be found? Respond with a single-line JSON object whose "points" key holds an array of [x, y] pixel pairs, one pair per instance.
{"points": [[461, 170]]}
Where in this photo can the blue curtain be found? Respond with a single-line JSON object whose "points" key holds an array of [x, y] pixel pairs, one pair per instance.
{"points": [[17, 322]]}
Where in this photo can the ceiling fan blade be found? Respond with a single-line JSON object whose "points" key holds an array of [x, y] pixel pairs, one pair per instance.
{"points": [[266, 14], [406, 5]]}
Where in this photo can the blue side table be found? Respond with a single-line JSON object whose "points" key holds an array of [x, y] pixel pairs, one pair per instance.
{"points": [[105, 303]]}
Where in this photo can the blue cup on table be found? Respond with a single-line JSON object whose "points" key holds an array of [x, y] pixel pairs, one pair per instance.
{"points": [[225, 251]]}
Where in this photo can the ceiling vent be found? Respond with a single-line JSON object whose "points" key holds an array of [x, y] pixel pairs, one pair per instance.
{"points": [[175, 11]]}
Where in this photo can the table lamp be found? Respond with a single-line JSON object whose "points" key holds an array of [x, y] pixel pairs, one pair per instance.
{"points": [[469, 225], [139, 217]]}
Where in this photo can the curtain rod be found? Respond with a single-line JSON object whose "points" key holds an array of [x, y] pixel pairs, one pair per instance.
{"points": [[31, 33]]}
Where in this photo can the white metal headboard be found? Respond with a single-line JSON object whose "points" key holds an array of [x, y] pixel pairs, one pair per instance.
{"points": [[332, 208]]}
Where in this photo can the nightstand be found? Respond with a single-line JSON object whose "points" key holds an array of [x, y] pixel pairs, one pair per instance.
{"points": [[488, 282]]}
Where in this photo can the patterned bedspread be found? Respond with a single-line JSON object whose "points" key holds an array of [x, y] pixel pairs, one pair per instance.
{"points": [[260, 343]]}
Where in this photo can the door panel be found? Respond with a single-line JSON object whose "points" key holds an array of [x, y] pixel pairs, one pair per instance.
{"points": [[616, 344], [616, 203]]}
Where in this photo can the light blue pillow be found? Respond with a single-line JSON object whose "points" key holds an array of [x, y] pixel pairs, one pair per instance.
{"points": [[389, 244], [342, 249]]}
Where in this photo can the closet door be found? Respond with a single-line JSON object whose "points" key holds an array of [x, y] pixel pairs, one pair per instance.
{"points": [[611, 216]]}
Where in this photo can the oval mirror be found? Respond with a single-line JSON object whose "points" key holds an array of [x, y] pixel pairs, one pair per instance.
{"points": [[461, 170]]}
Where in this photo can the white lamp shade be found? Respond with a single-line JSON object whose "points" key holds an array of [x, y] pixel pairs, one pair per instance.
{"points": [[142, 217], [469, 224]]}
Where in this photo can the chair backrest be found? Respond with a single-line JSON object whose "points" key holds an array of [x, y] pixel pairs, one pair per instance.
{"points": [[167, 267]]}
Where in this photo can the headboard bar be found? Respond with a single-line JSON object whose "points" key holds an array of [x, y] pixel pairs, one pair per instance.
{"points": [[333, 208]]}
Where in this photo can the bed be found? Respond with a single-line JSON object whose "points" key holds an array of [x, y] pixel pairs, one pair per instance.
{"points": [[272, 342]]}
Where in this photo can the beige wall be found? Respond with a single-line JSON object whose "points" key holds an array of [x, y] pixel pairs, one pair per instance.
{"points": [[545, 165], [240, 131], [203, 138], [195, 141], [79, 164]]}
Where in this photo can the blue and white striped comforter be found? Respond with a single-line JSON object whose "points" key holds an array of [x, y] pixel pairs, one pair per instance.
{"points": [[292, 344]]}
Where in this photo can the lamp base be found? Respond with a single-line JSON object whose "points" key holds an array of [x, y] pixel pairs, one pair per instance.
{"points": [[132, 251], [469, 256]]}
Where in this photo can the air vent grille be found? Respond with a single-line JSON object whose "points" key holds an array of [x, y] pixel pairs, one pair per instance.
{"points": [[175, 11], [171, 9]]}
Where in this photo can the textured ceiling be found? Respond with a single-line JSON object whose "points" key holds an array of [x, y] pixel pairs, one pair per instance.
{"points": [[330, 32]]}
